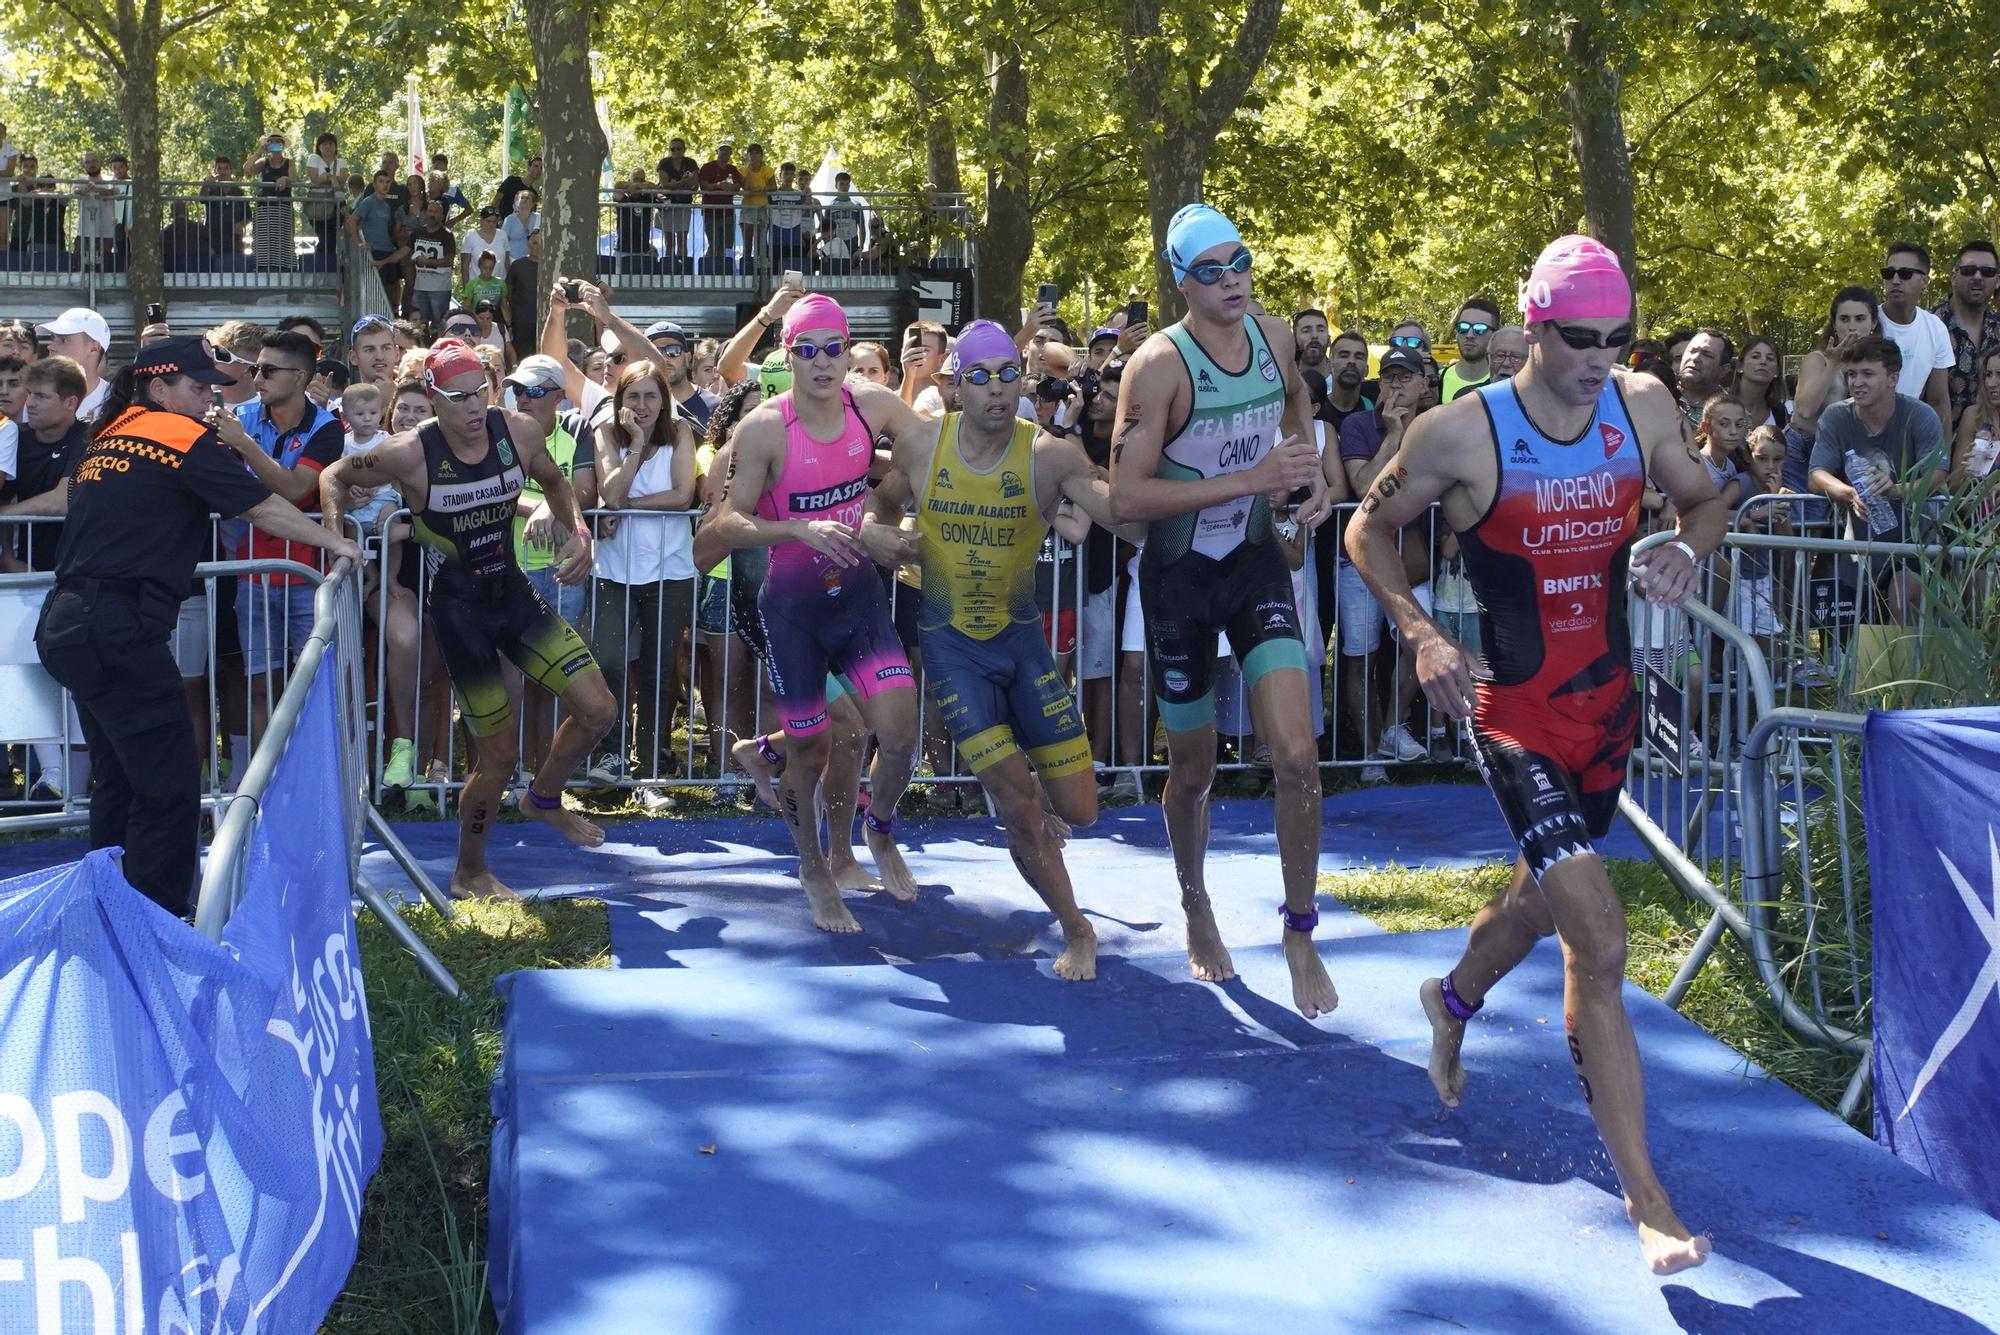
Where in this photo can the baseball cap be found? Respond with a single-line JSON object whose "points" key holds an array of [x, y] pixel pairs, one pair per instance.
{"points": [[1407, 358], [79, 320], [665, 329], [538, 372], [183, 354], [1099, 335]]}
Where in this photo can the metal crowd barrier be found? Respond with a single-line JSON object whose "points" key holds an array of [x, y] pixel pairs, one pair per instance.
{"points": [[336, 624]]}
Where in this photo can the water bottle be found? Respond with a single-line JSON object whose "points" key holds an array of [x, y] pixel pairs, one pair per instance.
{"points": [[1979, 459], [1866, 478]]}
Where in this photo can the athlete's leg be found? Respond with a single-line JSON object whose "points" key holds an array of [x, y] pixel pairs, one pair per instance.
{"points": [[493, 759], [1011, 783], [588, 710], [1591, 924], [1190, 774], [1281, 705], [798, 802], [849, 734], [1503, 933], [892, 716]]}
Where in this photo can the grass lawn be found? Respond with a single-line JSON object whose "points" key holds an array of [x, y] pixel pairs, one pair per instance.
{"points": [[422, 1264]]}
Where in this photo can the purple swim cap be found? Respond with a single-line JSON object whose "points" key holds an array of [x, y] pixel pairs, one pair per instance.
{"points": [[983, 340]]}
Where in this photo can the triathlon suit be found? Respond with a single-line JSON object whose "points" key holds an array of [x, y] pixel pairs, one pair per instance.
{"points": [[1218, 569], [990, 672], [1557, 711], [817, 616], [481, 607]]}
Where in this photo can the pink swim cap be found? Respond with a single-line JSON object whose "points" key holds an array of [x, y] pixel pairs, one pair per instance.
{"points": [[983, 340], [816, 311], [1576, 278]]}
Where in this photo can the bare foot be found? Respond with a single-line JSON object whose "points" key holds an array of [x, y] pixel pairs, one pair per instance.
{"points": [[571, 825], [761, 771], [1312, 990], [1667, 1242], [1078, 963], [829, 914], [478, 885], [1207, 956], [851, 875], [1447, 1035], [896, 878]]}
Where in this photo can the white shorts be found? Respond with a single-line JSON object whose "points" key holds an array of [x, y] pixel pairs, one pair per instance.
{"points": [[1358, 616], [190, 640], [1096, 655], [1133, 640], [1750, 605]]}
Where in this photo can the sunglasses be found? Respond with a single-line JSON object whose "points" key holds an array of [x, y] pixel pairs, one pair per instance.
{"points": [[671, 349], [1904, 271], [266, 372], [461, 329], [1582, 339], [1978, 271], [532, 391], [368, 322], [616, 359], [1006, 375], [1209, 274], [1474, 327], [224, 357], [1407, 341], [806, 351]]}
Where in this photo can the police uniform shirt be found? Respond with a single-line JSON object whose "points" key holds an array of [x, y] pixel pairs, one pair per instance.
{"points": [[140, 496]]}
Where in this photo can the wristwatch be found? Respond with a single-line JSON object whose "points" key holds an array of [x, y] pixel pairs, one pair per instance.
{"points": [[1057, 429]]}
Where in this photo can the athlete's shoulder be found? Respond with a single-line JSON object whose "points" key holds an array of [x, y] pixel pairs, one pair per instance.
{"points": [[1655, 413], [1452, 440], [1276, 332], [882, 409]]}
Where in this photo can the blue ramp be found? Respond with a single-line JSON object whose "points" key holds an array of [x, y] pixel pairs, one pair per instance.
{"points": [[974, 1146]]}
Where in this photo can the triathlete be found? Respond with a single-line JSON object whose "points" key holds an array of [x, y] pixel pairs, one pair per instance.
{"points": [[1541, 477], [460, 474], [1214, 432], [985, 486], [801, 482]]}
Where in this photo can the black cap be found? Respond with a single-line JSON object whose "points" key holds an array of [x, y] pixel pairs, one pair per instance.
{"points": [[1408, 358], [183, 354]]}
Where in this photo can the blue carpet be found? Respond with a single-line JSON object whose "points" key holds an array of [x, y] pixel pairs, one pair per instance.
{"points": [[957, 1147]]}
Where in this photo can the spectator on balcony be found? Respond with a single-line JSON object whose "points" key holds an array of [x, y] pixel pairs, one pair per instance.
{"points": [[82, 335], [10, 159], [183, 241], [482, 240], [38, 214], [840, 223], [521, 222], [223, 210], [121, 209], [271, 224], [792, 213], [431, 252], [372, 224], [399, 189], [93, 215], [446, 191], [632, 204], [757, 179], [719, 180], [678, 175], [326, 172], [528, 179]]}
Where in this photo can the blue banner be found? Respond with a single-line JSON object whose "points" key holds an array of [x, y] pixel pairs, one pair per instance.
{"points": [[186, 1128], [1934, 864]]}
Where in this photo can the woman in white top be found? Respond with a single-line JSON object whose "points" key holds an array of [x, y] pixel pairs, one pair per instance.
{"points": [[327, 171], [643, 595]]}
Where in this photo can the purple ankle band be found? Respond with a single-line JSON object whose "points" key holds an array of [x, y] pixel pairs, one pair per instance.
{"points": [[545, 803], [1299, 922], [1456, 1004], [771, 754], [877, 824]]}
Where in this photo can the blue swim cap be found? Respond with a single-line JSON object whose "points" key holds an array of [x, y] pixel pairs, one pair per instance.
{"points": [[1191, 231]]}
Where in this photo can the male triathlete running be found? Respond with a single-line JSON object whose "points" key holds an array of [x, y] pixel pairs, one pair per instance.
{"points": [[460, 474], [985, 486], [1214, 433], [1541, 477], [801, 482]]}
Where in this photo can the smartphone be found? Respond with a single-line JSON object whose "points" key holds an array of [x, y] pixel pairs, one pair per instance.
{"points": [[795, 280], [572, 290], [1047, 294], [1135, 314]]}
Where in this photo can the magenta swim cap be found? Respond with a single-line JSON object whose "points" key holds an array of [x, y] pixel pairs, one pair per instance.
{"points": [[815, 311], [983, 340], [1576, 278]]}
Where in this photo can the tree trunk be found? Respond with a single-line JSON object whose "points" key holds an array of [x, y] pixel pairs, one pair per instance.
{"points": [[933, 112], [1597, 137], [573, 145], [1008, 231], [1173, 178], [144, 273]]}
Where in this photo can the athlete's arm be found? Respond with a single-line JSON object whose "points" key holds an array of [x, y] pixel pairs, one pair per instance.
{"points": [[1670, 575], [882, 534], [285, 521], [397, 462], [1079, 484], [760, 453], [1422, 472], [1148, 394]]}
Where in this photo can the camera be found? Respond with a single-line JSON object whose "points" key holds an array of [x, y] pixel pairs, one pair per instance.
{"points": [[156, 312], [1089, 382], [572, 290], [1052, 390]]}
